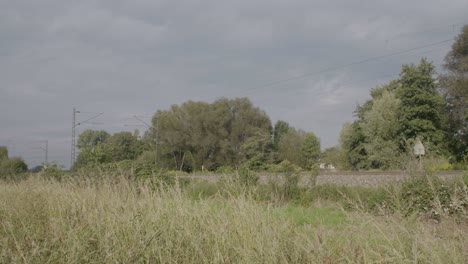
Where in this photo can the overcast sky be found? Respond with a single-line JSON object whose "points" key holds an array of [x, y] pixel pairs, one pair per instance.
{"points": [[133, 57]]}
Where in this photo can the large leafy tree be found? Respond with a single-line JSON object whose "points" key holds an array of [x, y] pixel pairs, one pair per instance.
{"points": [[91, 144], [289, 147], [91, 138], [352, 143], [123, 146], [354, 137], [281, 128], [310, 150], [380, 128], [421, 108], [299, 147], [223, 133], [454, 88]]}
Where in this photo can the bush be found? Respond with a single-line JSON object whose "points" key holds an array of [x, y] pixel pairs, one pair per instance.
{"points": [[285, 181], [434, 197], [9, 168], [225, 170], [52, 171], [247, 177]]}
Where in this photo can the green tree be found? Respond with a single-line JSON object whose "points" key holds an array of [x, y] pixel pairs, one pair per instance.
{"points": [[299, 147], [352, 143], [3, 153], [12, 166], [289, 147], [224, 133], [91, 144], [421, 105], [91, 138], [454, 88], [122, 146], [310, 150], [331, 156], [281, 128], [380, 128]]}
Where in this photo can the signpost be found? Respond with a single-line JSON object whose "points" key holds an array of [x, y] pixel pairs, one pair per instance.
{"points": [[419, 151]]}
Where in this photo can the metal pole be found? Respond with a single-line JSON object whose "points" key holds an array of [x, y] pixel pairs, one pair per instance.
{"points": [[87, 121], [157, 141], [46, 151], [73, 139]]}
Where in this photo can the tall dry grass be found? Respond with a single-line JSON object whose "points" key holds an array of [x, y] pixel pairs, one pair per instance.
{"points": [[119, 221]]}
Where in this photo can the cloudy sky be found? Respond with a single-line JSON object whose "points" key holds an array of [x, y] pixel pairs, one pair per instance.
{"points": [[299, 60]]}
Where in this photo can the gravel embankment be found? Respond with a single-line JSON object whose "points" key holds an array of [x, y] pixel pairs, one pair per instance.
{"points": [[347, 178]]}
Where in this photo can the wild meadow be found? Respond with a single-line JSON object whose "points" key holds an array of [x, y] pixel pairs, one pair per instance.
{"points": [[120, 219]]}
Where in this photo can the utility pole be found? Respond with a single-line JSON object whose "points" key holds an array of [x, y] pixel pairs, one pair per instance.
{"points": [[74, 125], [73, 138], [46, 151]]}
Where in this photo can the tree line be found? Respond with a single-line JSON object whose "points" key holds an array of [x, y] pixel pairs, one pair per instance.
{"points": [[418, 105], [229, 133], [198, 135]]}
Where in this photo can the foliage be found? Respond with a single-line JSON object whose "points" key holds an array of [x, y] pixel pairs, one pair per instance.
{"points": [[281, 128], [11, 167], [434, 197], [421, 112], [123, 146], [453, 87], [332, 156], [128, 222], [92, 138], [352, 144], [247, 177], [52, 172], [224, 133], [397, 113], [310, 150], [98, 147], [285, 182], [224, 170], [3, 153], [379, 127], [299, 147]]}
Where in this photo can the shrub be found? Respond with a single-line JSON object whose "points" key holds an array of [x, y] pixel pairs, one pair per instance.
{"points": [[52, 171], [434, 197], [247, 177], [285, 180], [225, 170], [9, 168]]}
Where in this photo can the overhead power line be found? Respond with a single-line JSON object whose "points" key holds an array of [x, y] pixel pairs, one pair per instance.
{"points": [[342, 66]]}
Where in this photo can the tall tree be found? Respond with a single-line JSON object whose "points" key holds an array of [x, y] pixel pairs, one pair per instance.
{"points": [[352, 143], [91, 138], [92, 150], [281, 128], [123, 146], [310, 149], [299, 147], [224, 133], [289, 147], [380, 128], [454, 88], [421, 105]]}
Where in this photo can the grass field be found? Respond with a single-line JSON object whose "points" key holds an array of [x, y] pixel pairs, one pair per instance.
{"points": [[119, 221]]}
